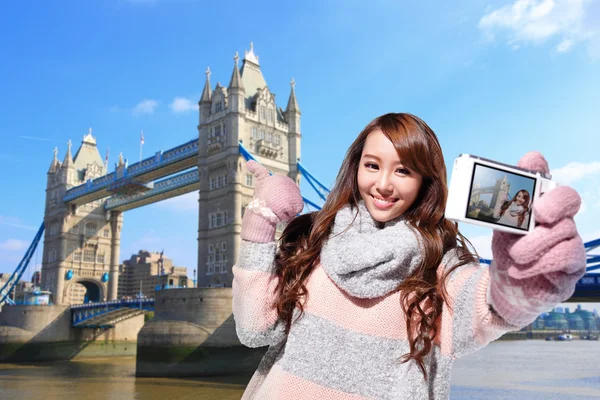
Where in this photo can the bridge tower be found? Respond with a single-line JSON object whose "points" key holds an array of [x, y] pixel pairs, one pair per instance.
{"points": [[244, 111], [77, 256]]}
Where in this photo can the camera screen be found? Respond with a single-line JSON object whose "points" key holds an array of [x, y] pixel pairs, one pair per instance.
{"points": [[500, 197]]}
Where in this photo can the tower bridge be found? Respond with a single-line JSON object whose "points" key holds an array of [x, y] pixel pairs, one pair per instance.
{"points": [[85, 202]]}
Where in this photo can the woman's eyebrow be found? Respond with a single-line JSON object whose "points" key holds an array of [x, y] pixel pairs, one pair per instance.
{"points": [[399, 162]]}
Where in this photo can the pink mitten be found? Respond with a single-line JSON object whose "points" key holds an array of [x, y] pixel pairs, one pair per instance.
{"points": [[532, 273], [276, 198]]}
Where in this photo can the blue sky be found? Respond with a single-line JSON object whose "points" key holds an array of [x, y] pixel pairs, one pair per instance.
{"points": [[492, 78]]}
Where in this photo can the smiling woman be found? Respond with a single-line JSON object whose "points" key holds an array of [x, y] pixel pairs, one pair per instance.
{"points": [[379, 280]]}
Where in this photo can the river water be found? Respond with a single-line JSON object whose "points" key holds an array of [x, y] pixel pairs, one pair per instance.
{"points": [[532, 370]]}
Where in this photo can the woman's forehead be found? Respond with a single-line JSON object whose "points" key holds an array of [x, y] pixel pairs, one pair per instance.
{"points": [[377, 145]]}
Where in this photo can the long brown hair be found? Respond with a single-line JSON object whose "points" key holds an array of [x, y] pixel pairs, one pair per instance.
{"points": [[525, 206], [422, 294]]}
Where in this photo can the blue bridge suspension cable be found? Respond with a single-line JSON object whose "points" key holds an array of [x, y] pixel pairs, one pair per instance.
{"points": [[13, 280], [247, 156]]}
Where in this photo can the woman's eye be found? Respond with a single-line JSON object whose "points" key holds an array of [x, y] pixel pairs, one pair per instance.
{"points": [[371, 166], [403, 171]]}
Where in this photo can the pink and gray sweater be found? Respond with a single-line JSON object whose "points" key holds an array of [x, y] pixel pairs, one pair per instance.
{"points": [[349, 341]]}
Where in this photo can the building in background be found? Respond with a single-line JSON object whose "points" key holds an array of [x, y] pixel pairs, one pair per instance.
{"points": [[146, 271]]}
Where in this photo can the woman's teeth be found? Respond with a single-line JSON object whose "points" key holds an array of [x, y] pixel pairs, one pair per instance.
{"points": [[384, 203]]}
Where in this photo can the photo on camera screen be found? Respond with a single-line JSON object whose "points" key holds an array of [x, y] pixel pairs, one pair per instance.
{"points": [[500, 197]]}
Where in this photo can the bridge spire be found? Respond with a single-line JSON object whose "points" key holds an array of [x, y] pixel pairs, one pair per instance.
{"points": [[55, 163], [206, 93], [292, 104], [236, 80], [68, 158]]}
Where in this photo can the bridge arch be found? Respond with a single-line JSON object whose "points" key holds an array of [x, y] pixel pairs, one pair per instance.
{"points": [[95, 291]]}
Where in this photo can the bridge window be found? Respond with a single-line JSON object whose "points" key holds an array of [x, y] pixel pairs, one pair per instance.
{"points": [[269, 137], [91, 229], [219, 106], [77, 255], [270, 115], [211, 249], [211, 183], [217, 219], [249, 180], [262, 113], [223, 246], [75, 228], [254, 133], [88, 255], [106, 232], [100, 258], [277, 139]]}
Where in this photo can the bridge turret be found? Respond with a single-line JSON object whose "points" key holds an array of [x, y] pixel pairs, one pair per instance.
{"points": [[67, 169], [292, 116], [205, 100], [235, 90], [78, 245], [55, 164]]}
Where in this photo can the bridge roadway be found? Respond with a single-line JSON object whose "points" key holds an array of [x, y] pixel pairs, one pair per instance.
{"points": [[165, 189], [160, 165], [106, 314], [587, 289]]}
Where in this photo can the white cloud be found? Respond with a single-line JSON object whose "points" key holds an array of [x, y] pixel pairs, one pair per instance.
{"points": [[186, 203], [16, 222], [14, 245], [537, 21], [564, 46], [575, 171], [181, 105], [146, 106]]}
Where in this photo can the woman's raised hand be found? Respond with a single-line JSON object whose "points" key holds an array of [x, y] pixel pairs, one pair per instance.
{"points": [[276, 198], [548, 260]]}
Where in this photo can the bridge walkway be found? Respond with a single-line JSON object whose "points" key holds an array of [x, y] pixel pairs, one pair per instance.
{"points": [[110, 318]]}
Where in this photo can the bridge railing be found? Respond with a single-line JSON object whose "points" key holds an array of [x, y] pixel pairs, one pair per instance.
{"points": [[160, 159], [83, 312], [163, 186]]}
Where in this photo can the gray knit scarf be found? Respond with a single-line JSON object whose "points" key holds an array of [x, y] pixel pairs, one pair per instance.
{"points": [[367, 261]]}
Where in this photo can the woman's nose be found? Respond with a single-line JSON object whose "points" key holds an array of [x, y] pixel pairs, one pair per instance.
{"points": [[384, 183]]}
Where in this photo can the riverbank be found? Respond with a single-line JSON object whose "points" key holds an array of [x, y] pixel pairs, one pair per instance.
{"points": [[543, 334]]}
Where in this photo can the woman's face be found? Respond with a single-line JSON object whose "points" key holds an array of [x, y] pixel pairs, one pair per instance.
{"points": [[387, 187], [521, 198]]}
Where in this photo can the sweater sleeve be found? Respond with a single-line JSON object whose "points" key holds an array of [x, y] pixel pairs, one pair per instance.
{"points": [[485, 303], [254, 282], [468, 321]]}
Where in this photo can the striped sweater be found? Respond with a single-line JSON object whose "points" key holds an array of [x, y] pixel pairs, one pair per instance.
{"points": [[345, 347]]}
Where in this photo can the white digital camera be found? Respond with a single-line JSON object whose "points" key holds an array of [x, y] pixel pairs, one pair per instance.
{"points": [[494, 195]]}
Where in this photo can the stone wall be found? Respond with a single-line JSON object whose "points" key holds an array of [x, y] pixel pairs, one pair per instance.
{"points": [[35, 333], [193, 334]]}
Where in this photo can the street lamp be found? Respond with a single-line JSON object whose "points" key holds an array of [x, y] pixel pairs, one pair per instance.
{"points": [[194, 278]]}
